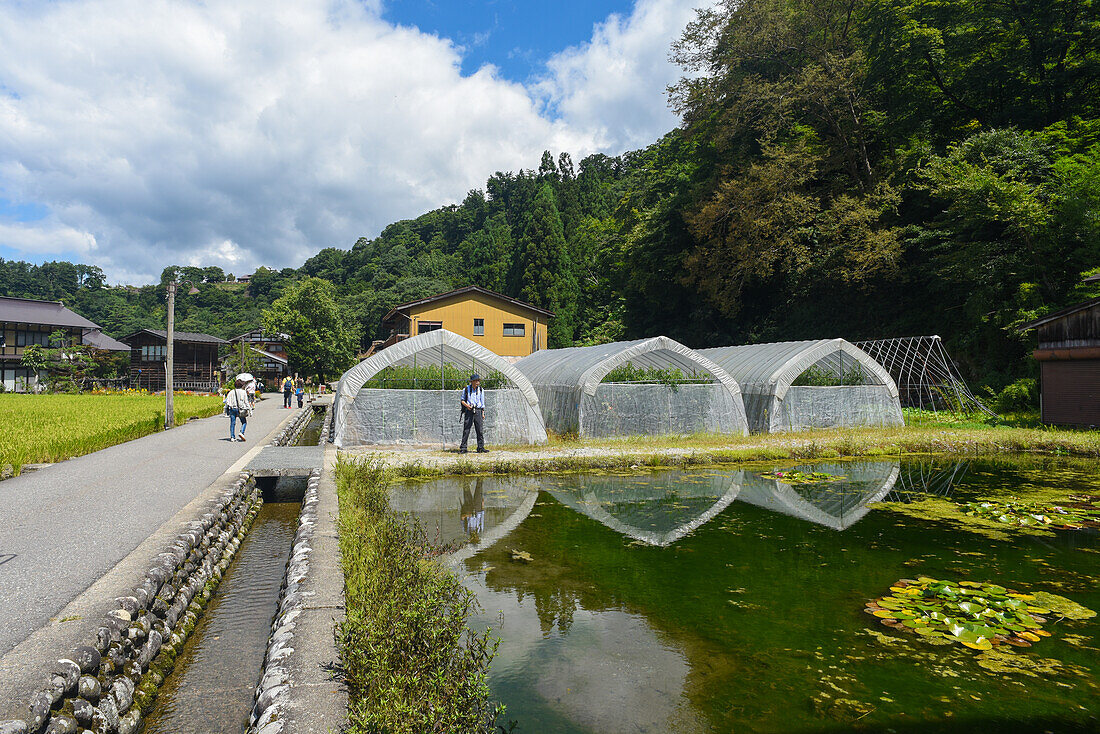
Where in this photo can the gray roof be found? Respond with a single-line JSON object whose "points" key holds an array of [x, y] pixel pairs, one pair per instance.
{"points": [[43, 313], [98, 339], [179, 336]]}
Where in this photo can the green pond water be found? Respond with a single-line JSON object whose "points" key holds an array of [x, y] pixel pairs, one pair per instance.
{"points": [[722, 601]]}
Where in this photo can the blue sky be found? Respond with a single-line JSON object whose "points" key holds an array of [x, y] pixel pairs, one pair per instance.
{"points": [[239, 133], [516, 36]]}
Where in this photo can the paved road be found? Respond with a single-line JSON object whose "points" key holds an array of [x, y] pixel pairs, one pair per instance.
{"points": [[63, 527]]}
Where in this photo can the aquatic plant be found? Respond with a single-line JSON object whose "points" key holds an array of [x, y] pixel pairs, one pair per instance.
{"points": [[1081, 512], [976, 615], [794, 477]]}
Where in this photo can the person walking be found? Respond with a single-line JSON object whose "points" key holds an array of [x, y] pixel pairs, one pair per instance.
{"points": [[473, 414], [300, 390], [237, 406], [288, 385]]}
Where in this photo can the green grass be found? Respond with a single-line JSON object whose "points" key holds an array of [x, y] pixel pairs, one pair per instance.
{"points": [[942, 434], [49, 428], [411, 663]]}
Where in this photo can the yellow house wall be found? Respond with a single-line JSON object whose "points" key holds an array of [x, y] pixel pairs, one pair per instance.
{"points": [[458, 314]]}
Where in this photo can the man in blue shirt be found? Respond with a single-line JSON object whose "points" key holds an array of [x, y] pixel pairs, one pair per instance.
{"points": [[473, 413]]}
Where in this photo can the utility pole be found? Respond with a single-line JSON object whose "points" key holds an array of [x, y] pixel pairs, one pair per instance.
{"points": [[170, 356], [170, 362]]}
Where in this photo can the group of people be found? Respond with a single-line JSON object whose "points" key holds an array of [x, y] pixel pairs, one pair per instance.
{"points": [[240, 401]]}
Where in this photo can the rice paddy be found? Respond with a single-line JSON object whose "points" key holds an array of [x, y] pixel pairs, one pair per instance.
{"points": [[50, 428]]}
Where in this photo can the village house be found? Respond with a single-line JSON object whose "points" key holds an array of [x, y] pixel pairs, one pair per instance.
{"points": [[195, 357], [270, 350], [25, 322], [504, 325], [1069, 360]]}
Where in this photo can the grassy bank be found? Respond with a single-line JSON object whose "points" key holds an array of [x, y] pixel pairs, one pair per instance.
{"points": [[411, 663], [48, 428], [572, 454]]}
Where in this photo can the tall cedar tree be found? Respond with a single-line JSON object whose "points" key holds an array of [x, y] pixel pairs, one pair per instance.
{"points": [[546, 270]]}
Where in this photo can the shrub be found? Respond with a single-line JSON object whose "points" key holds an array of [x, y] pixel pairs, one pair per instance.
{"points": [[407, 377], [411, 662], [1019, 396], [667, 376]]}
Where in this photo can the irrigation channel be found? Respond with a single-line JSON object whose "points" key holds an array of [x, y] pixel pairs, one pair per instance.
{"points": [[213, 685]]}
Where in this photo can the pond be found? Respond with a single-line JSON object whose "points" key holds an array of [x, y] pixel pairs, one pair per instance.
{"points": [[726, 600]]}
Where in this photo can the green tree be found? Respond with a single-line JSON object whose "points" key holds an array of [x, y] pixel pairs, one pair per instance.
{"points": [[544, 268], [321, 342]]}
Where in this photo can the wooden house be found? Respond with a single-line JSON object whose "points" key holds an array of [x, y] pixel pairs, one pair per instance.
{"points": [[25, 321], [1069, 359], [196, 360], [270, 350], [503, 325]]}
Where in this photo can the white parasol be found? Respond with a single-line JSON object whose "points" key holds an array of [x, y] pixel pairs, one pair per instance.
{"points": [[246, 377]]}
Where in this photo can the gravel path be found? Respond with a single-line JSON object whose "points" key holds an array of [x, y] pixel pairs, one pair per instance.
{"points": [[65, 526]]}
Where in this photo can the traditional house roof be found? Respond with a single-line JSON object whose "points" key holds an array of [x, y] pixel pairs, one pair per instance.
{"points": [[1068, 311], [179, 336], [41, 313], [98, 339], [461, 292]]}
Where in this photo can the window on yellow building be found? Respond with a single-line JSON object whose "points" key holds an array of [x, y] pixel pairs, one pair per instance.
{"points": [[514, 330], [479, 327]]}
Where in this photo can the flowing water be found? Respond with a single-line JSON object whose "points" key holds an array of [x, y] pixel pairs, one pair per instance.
{"points": [[214, 681], [725, 601]]}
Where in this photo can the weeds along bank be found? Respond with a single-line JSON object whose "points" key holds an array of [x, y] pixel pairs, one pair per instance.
{"points": [[50, 428], [411, 663]]}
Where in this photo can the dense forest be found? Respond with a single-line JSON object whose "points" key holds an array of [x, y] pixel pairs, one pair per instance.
{"points": [[855, 168]]}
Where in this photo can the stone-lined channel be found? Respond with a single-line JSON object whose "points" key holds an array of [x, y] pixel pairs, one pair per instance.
{"points": [[213, 685]]}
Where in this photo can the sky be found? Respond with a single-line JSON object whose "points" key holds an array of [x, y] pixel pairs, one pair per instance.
{"points": [[136, 134]]}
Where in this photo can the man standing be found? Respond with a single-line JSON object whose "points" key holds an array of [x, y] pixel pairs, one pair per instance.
{"points": [[473, 413], [288, 386]]}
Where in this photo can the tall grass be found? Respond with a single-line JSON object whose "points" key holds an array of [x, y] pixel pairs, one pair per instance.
{"points": [[411, 663], [49, 428]]}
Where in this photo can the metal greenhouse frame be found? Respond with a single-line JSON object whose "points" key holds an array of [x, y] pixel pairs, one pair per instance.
{"points": [[926, 376], [766, 373], [374, 416], [574, 398]]}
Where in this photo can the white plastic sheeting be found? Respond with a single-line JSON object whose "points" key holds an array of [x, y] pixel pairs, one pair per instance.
{"points": [[766, 372], [573, 397], [386, 416]]}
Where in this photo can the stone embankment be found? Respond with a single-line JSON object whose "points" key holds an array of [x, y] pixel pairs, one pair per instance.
{"points": [[298, 691], [107, 685]]}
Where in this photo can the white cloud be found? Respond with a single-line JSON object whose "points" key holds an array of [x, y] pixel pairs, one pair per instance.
{"points": [[256, 132]]}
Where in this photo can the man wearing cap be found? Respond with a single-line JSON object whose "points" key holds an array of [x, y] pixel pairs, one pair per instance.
{"points": [[473, 413]]}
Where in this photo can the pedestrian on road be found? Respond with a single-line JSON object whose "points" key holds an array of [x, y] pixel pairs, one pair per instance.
{"points": [[237, 406], [300, 391], [473, 414], [288, 385]]}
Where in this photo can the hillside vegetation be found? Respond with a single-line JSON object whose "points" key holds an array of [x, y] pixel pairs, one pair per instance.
{"points": [[856, 168]]}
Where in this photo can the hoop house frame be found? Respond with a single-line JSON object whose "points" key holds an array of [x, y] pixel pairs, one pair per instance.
{"points": [[574, 398], [773, 403], [385, 416]]}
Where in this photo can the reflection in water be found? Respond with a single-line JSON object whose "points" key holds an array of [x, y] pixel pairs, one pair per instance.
{"points": [[660, 603], [459, 509], [837, 505], [578, 669], [932, 476], [657, 509]]}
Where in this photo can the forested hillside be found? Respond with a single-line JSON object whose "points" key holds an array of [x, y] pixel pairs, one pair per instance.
{"points": [[855, 168]]}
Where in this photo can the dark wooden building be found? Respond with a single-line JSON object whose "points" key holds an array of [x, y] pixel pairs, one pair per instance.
{"points": [[270, 350], [1069, 358], [196, 360]]}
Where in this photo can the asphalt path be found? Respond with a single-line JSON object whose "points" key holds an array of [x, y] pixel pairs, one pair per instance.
{"points": [[65, 526]]}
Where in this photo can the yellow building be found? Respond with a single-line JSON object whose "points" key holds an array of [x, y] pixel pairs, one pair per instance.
{"points": [[501, 324]]}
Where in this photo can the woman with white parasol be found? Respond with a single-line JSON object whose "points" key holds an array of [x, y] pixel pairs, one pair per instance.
{"points": [[249, 382]]}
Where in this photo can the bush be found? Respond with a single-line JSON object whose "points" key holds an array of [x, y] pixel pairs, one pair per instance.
{"points": [[411, 662], [407, 377], [669, 376], [1019, 396]]}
